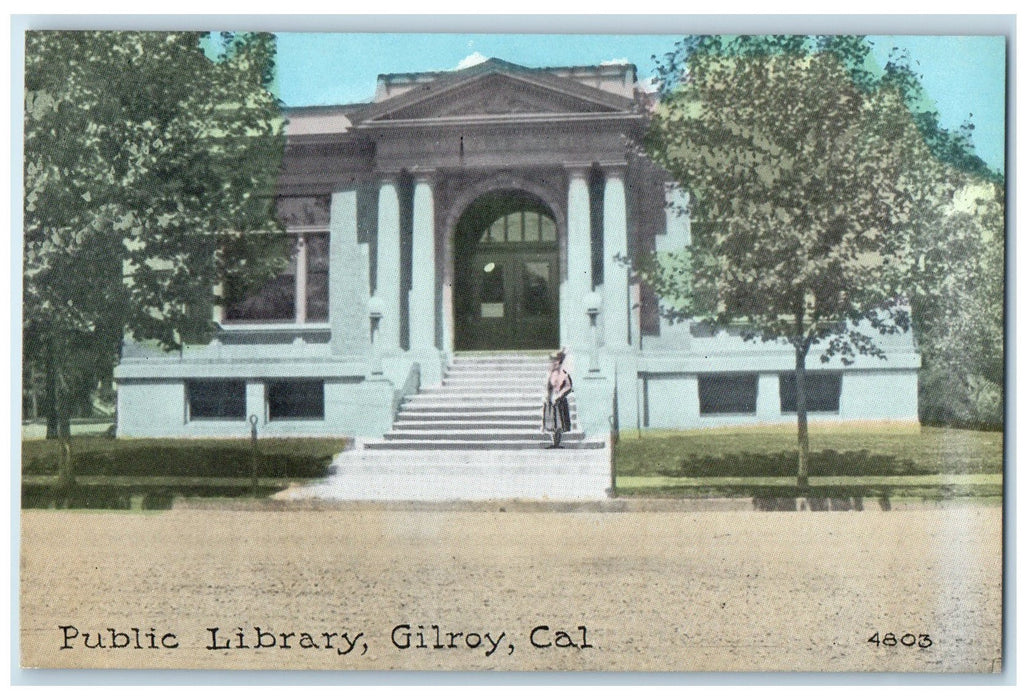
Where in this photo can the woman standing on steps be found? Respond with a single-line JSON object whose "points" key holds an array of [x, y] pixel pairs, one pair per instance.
{"points": [[556, 412]]}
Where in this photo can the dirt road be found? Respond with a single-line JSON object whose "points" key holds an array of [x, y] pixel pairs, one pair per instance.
{"points": [[644, 591]]}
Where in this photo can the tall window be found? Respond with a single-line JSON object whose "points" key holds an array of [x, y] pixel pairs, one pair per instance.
{"points": [[299, 294]]}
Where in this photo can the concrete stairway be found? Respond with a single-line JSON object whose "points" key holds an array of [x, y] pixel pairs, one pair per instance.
{"points": [[485, 402], [476, 437]]}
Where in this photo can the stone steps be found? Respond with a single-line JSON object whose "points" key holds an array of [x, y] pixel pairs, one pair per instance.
{"points": [[463, 475], [476, 436]]}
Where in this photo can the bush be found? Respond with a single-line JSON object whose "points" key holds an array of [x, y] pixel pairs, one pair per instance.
{"points": [[293, 459], [947, 399], [823, 463]]}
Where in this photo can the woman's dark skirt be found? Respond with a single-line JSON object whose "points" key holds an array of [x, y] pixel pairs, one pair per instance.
{"points": [[556, 416]]}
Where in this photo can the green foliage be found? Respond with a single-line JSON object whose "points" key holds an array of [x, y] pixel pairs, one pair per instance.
{"points": [[301, 458], [148, 167], [854, 53], [803, 184], [819, 188], [958, 309]]}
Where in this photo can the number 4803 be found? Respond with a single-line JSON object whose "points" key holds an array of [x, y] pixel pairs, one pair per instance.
{"points": [[907, 640]]}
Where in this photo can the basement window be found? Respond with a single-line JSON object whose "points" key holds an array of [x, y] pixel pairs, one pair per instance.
{"points": [[727, 393], [213, 399], [296, 399], [823, 392]]}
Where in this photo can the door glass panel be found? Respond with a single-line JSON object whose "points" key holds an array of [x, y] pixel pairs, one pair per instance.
{"points": [[493, 295], [535, 293]]}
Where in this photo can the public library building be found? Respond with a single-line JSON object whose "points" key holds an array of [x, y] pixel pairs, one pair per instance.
{"points": [[479, 211]]}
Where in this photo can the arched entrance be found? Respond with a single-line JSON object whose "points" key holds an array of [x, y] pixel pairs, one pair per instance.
{"points": [[506, 274]]}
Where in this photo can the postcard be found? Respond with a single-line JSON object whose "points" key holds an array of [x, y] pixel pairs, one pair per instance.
{"points": [[513, 352]]}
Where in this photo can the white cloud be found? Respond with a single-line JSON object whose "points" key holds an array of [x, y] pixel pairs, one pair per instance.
{"points": [[615, 62], [472, 60], [650, 84]]}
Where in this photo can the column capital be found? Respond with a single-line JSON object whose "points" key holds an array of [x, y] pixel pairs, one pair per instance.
{"points": [[388, 177], [423, 175], [577, 170], [614, 169]]}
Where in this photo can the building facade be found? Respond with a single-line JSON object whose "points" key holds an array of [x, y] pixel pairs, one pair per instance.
{"points": [[481, 210]]}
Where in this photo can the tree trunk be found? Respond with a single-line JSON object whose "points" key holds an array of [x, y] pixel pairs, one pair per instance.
{"points": [[55, 401], [802, 479], [65, 469]]}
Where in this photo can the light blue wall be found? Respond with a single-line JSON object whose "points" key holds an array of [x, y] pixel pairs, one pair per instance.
{"points": [[354, 407]]}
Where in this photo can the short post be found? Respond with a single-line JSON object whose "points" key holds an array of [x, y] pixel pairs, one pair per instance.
{"points": [[253, 454], [374, 314], [593, 304]]}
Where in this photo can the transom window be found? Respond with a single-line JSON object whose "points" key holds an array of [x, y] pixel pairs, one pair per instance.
{"points": [[299, 294], [520, 227]]}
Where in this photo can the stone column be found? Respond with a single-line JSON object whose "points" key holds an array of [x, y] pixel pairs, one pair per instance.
{"points": [[348, 284], [256, 402], [574, 325], [388, 269], [768, 398], [301, 279], [422, 287], [616, 295]]}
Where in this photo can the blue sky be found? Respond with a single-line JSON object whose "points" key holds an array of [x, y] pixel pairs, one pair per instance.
{"points": [[964, 75]]}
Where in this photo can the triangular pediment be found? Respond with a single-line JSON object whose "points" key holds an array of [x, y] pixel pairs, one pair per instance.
{"points": [[495, 91]]}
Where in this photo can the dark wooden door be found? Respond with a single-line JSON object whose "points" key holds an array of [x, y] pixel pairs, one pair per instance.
{"points": [[514, 300]]}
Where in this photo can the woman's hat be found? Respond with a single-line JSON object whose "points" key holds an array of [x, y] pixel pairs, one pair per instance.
{"points": [[559, 355]]}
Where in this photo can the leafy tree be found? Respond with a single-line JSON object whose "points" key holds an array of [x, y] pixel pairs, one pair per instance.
{"points": [[808, 178], [958, 309], [957, 289], [147, 166]]}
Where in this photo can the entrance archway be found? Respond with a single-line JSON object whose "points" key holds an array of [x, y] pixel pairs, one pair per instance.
{"points": [[506, 274]]}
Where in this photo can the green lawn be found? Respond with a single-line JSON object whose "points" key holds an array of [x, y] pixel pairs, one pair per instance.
{"points": [[836, 451], [864, 460]]}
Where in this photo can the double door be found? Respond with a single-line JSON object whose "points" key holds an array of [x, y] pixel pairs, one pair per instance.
{"points": [[514, 301]]}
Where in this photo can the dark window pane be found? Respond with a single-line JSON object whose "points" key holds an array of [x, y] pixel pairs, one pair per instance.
{"points": [[216, 399], [317, 252], [727, 393], [317, 277], [276, 301], [299, 398], [492, 284], [304, 211], [537, 300], [823, 392], [317, 296]]}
